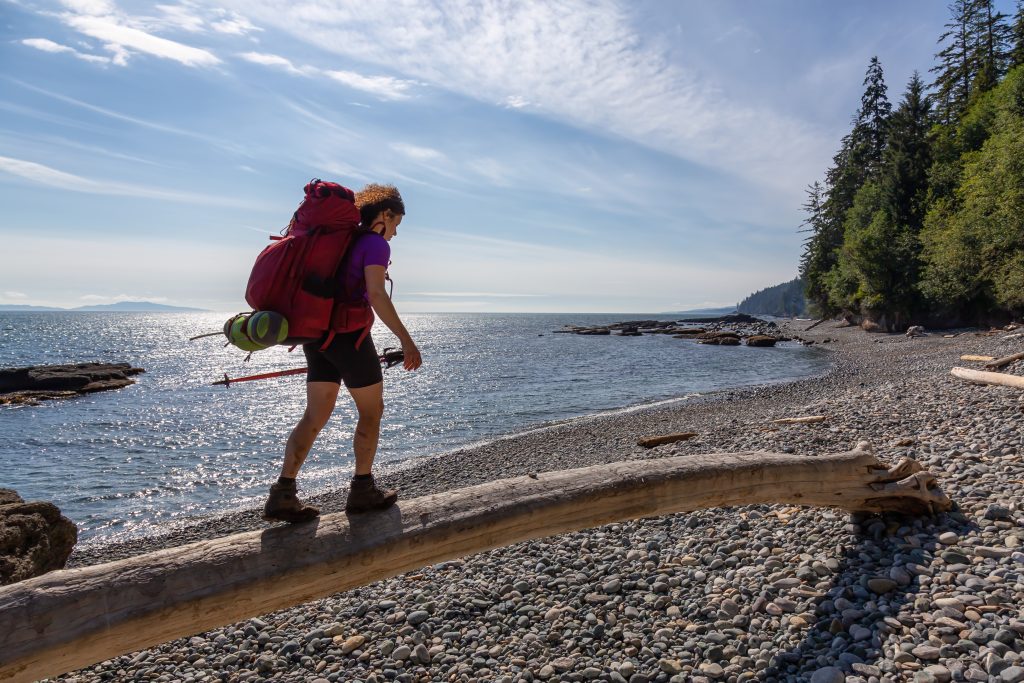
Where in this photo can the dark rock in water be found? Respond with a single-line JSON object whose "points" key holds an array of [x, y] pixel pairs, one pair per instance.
{"points": [[40, 382], [761, 340], [724, 340], [740, 318], [594, 330], [717, 335], [34, 538]]}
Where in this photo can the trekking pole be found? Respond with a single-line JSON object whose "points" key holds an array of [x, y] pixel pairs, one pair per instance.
{"points": [[389, 358], [227, 381]]}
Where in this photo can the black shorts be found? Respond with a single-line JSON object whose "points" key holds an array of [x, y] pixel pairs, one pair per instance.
{"points": [[343, 362]]}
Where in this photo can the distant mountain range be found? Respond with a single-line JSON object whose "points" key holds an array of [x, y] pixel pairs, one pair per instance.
{"points": [[120, 307], [705, 312]]}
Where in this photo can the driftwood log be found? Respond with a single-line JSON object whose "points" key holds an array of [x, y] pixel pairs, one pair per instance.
{"points": [[982, 377], [654, 441], [976, 358], [810, 419], [68, 619], [1004, 361]]}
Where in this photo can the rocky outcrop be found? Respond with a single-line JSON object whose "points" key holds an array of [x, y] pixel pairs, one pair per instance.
{"points": [[34, 538], [761, 340], [42, 382], [721, 340]]}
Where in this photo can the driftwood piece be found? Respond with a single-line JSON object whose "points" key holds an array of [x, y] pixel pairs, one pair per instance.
{"points": [[68, 619], [972, 357], [808, 329], [982, 377], [810, 419], [1004, 361], [665, 438]]}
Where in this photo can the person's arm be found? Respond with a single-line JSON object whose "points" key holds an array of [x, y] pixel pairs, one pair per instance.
{"points": [[385, 310]]}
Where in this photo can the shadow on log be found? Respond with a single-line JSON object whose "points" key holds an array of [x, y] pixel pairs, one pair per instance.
{"points": [[69, 619]]}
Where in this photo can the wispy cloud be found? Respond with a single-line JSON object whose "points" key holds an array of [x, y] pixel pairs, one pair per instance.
{"points": [[119, 116], [47, 45], [123, 34], [45, 175], [10, 137], [417, 153], [15, 295], [578, 62], [265, 59], [384, 87], [120, 39]]}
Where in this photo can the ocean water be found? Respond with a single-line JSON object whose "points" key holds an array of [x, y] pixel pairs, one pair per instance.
{"points": [[172, 446]]}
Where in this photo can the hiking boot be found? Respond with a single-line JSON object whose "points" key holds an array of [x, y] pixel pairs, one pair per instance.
{"points": [[364, 496], [284, 506]]}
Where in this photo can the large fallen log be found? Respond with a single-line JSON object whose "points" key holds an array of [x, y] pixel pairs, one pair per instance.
{"points": [[72, 618], [1004, 361], [809, 419], [982, 377]]}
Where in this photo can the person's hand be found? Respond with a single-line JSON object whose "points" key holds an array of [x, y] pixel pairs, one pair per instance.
{"points": [[412, 356]]}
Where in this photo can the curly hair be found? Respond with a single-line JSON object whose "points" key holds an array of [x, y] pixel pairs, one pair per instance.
{"points": [[374, 198]]}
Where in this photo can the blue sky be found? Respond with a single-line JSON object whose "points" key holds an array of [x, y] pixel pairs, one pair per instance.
{"points": [[566, 156]]}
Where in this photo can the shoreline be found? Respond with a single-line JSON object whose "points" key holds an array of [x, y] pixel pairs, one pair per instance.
{"points": [[408, 475], [760, 592]]}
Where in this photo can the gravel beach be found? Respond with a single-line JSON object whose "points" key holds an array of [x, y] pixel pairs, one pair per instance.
{"points": [[766, 593]]}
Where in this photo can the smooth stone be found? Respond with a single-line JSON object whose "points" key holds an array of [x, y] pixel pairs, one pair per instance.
{"points": [[881, 586], [939, 673], [858, 632], [926, 652], [670, 666], [828, 674], [352, 643], [418, 617], [1014, 674]]}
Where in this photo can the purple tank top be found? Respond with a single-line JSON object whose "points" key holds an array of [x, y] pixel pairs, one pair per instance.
{"points": [[369, 249]]}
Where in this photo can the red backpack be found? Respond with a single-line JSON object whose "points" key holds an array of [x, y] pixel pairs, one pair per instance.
{"points": [[297, 275]]}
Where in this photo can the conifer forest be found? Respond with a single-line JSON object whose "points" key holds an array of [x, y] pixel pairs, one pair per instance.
{"points": [[920, 217]]}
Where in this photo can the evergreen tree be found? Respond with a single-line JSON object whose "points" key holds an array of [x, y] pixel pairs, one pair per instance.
{"points": [[869, 133], [858, 162], [879, 262], [816, 259], [992, 37], [1016, 56], [904, 177], [957, 67]]}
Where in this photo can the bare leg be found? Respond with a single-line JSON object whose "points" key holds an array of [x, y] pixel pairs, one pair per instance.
{"points": [[320, 400], [370, 404]]}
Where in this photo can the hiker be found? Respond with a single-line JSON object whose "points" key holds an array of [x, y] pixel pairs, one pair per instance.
{"points": [[350, 358]]}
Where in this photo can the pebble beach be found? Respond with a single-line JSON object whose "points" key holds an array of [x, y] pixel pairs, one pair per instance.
{"points": [[753, 593]]}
